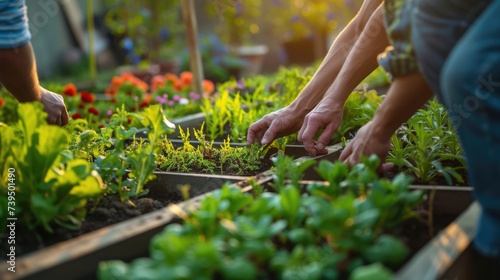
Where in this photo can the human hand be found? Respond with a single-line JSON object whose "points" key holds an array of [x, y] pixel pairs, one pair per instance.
{"points": [[326, 116], [367, 142], [274, 125], [55, 108]]}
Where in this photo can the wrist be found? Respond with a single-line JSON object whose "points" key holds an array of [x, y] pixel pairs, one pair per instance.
{"points": [[382, 127]]}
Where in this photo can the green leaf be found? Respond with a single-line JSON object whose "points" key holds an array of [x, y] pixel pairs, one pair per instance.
{"points": [[239, 269], [156, 120], [367, 218], [122, 134], [290, 203], [388, 250], [374, 271]]}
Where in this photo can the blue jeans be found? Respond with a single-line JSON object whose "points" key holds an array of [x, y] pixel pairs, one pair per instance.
{"points": [[457, 44]]}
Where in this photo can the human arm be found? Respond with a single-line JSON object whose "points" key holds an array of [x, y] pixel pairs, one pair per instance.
{"points": [[406, 95], [18, 75], [289, 119], [362, 60]]}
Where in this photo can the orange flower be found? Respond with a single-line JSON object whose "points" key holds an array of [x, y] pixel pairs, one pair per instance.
{"points": [[127, 77], [208, 86], [178, 85], [140, 84], [169, 77], [186, 78], [147, 97], [157, 81], [116, 81], [87, 97], [70, 90], [2, 102]]}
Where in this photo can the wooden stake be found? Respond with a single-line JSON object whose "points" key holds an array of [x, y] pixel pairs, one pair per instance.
{"points": [[195, 62], [91, 32]]}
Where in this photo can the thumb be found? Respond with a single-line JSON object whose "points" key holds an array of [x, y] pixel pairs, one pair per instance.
{"points": [[386, 167]]}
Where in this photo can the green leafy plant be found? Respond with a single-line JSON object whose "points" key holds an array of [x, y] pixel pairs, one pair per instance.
{"points": [[124, 168], [51, 187], [308, 231], [426, 143], [240, 103]]}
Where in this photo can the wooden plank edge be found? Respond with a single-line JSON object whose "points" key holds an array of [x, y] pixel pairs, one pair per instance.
{"points": [[438, 255]]}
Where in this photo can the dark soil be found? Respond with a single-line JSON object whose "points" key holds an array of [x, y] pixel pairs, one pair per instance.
{"points": [[110, 210]]}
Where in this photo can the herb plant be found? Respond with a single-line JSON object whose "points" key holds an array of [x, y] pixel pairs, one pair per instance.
{"points": [[427, 144], [205, 158]]}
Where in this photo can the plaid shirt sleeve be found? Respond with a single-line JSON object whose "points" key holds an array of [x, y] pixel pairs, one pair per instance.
{"points": [[398, 59], [14, 31]]}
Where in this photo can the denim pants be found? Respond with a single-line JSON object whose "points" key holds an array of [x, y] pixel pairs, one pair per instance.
{"points": [[457, 44]]}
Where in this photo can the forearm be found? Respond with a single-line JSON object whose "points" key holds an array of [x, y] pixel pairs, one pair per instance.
{"points": [[362, 60], [336, 57], [406, 95], [18, 73]]}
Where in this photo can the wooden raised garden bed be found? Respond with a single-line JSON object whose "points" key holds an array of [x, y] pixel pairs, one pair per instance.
{"points": [[79, 258]]}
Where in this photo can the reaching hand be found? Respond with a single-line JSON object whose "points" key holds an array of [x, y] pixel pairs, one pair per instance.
{"points": [[55, 108], [274, 125], [368, 142], [323, 116]]}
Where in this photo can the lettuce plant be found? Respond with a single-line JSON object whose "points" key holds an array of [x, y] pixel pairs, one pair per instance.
{"points": [[51, 186]]}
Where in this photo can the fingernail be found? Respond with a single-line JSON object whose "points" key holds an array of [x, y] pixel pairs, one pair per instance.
{"points": [[320, 147], [264, 141]]}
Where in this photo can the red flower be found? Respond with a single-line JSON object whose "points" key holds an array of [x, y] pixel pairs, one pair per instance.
{"points": [[144, 104], [111, 91], [93, 110], [129, 120], [81, 106], [77, 116], [2, 102], [70, 90], [87, 97], [100, 126]]}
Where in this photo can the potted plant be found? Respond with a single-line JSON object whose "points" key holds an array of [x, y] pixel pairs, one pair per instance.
{"points": [[148, 32], [238, 23]]}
